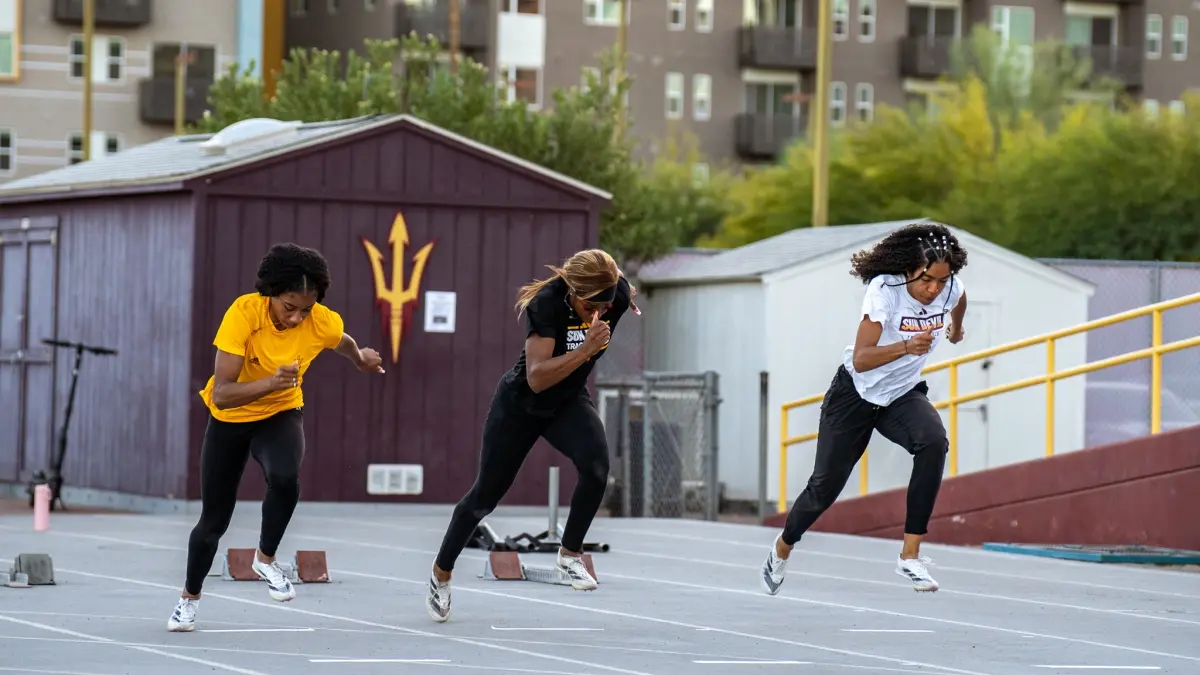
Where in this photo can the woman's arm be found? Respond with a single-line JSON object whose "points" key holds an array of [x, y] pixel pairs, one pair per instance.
{"points": [[366, 360], [229, 393], [867, 356], [543, 370]]}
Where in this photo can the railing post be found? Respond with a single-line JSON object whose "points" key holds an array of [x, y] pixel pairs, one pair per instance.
{"points": [[783, 451], [764, 460], [863, 477], [1050, 397], [1156, 374], [953, 419]]}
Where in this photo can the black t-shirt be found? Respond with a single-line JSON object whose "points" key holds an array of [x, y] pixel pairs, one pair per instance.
{"points": [[550, 315]]}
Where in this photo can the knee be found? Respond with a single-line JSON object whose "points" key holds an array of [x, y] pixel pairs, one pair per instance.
{"points": [[594, 471], [284, 482], [933, 441]]}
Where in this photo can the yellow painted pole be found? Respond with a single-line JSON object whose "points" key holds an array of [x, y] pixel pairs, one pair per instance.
{"points": [[1156, 374], [783, 460], [89, 29], [862, 472], [820, 123], [454, 36], [1050, 368], [619, 70], [180, 91], [953, 420]]}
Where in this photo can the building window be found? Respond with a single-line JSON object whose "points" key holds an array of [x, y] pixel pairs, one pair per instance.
{"points": [[332, 6], [10, 31], [108, 58], [837, 103], [932, 21], [602, 12], [699, 175], [864, 101], [111, 144], [701, 97], [523, 84], [841, 19], [369, 5], [1150, 107], [298, 8], [676, 14], [7, 151], [1179, 37], [1177, 107], [1154, 35], [1014, 25], [523, 6], [203, 65], [866, 20], [704, 16], [674, 96]]}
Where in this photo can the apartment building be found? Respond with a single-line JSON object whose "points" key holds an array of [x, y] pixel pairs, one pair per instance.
{"points": [[134, 48], [739, 74]]}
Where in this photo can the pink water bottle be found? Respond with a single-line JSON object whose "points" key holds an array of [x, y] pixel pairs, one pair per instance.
{"points": [[41, 508]]}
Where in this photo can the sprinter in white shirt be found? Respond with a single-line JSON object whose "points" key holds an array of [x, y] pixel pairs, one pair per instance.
{"points": [[913, 301]]}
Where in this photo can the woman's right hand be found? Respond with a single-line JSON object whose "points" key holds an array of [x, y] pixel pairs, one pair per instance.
{"points": [[285, 377]]}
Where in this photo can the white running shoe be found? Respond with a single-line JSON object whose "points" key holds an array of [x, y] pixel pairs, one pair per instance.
{"points": [[183, 619], [773, 569], [438, 600], [914, 570], [574, 568], [278, 585]]}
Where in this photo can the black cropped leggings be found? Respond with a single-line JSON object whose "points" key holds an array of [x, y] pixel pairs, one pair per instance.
{"points": [[277, 444], [847, 422], [509, 433]]}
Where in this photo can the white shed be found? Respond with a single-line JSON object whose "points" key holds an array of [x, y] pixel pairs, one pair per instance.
{"points": [[788, 305]]}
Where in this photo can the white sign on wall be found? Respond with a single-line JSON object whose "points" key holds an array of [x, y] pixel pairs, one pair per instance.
{"points": [[439, 311]]}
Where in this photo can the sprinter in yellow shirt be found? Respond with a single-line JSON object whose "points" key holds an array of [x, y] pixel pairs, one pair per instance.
{"points": [[265, 344]]}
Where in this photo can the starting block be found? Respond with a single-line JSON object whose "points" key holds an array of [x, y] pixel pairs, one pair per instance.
{"points": [[30, 569], [306, 567], [507, 566]]}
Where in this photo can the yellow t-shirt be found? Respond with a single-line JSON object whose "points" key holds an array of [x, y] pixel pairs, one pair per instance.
{"points": [[247, 331]]}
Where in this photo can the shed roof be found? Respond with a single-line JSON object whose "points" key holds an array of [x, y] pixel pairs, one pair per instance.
{"points": [[803, 245], [169, 162]]}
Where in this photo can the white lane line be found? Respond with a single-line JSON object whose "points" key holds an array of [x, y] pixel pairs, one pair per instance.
{"points": [[755, 663], [1101, 667], [258, 630], [546, 629], [146, 618], [886, 631], [149, 650], [5, 669], [379, 660], [337, 617]]}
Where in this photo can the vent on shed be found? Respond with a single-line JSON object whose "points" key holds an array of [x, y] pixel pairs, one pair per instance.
{"points": [[395, 479], [254, 130]]}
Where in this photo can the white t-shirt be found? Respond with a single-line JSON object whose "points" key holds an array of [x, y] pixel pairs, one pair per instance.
{"points": [[903, 317]]}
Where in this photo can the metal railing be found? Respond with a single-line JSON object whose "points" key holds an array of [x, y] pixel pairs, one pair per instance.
{"points": [[1155, 352]]}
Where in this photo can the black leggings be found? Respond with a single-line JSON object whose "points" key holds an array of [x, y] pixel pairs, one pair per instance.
{"points": [[508, 435], [847, 422], [277, 444]]}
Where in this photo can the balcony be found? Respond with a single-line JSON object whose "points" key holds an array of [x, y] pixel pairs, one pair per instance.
{"points": [[1122, 63], [474, 22], [108, 13], [763, 136], [156, 100], [778, 47], [925, 56]]}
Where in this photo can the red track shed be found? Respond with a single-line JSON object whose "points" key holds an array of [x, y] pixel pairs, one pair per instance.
{"points": [[143, 251]]}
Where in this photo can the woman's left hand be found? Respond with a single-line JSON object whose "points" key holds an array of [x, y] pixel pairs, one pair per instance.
{"points": [[955, 334], [370, 361]]}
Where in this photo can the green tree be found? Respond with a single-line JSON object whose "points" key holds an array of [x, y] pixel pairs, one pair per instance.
{"points": [[575, 136]]}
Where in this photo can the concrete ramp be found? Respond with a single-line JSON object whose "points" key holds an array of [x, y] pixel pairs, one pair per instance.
{"points": [[1144, 491]]}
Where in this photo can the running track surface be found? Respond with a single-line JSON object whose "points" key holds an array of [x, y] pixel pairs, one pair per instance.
{"points": [[675, 597]]}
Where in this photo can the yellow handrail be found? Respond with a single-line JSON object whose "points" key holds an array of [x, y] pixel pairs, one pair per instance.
{"points": [[1155, 352]]}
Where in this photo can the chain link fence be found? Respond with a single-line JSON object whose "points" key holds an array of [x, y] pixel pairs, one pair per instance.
{"points": [[662, 438], [1118, 398]]}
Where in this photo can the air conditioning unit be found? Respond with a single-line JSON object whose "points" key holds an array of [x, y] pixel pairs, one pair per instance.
{"points": [[395, 479]]}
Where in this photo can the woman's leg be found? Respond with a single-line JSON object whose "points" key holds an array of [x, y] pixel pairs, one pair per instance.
{"points": [[278, 447], [914, 424], [578, 433], [223, 456], [508, 436], [842, 435]]}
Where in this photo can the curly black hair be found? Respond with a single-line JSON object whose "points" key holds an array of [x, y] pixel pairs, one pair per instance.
{"points": [[289, 268], [910, 249]]}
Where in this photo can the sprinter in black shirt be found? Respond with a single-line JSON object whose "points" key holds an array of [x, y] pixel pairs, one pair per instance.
{"points": [[569, 319]]}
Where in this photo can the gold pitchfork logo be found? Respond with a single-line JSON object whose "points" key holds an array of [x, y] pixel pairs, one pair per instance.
{"points": [[393, 299]]}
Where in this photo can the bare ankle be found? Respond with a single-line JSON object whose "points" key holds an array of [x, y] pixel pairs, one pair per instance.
{"points": [[263, 558], [781, 549], [563, 551], [440, 574], [190, 596]]}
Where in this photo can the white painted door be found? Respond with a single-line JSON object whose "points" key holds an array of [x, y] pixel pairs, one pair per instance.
{"points": [[973, 429]]}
